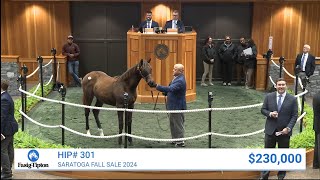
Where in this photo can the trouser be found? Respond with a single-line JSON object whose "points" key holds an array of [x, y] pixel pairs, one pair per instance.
{"points": [[208, 68], [177, 125], [241, 70], [270, 142], [73, 68], [301, 75], [249, 77], [316, 151], [7, 155], [227, 71]]}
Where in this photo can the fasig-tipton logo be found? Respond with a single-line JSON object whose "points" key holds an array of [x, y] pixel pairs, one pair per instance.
{"points": [[33, 156]]}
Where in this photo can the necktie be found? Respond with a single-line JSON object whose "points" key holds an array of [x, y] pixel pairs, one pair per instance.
{"points": [[302, 61], [279, 102], [148, 24], [174, 24]]}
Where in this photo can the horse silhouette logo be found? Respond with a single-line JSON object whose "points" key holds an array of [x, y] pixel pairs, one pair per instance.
{"points": [[33, 155]]}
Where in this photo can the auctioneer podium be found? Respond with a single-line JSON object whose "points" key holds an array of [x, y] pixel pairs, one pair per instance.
{"points": [[165, 50]]}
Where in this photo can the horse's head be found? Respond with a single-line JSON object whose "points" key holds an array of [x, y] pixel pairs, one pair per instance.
{"points": [[145, 70]]}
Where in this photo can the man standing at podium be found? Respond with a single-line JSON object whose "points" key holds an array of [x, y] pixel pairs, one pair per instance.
{"points": [[148, 23], [175, 22]]}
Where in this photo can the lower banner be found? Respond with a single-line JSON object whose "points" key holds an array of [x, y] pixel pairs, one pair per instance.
{"points": [[159, 159]]}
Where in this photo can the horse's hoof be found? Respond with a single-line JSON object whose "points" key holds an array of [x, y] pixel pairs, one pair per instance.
{"points": [[101, 132], [88, 132]]}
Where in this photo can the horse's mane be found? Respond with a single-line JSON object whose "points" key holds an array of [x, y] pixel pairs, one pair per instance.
{"points": [[128, 74]]}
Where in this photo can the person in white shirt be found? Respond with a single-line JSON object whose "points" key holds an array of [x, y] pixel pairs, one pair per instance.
{"points": [[175, 22], [148, 23], [281, 111], [306, 62]]}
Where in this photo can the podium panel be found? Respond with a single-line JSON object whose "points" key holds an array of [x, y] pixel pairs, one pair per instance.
{"points": [[173, 49]]}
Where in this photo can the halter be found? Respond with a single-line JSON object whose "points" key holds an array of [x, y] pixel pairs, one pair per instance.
{"points": [[141, 74]]}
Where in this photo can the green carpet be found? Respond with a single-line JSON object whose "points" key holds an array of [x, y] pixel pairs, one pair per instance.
{"points": [[157, 125]]}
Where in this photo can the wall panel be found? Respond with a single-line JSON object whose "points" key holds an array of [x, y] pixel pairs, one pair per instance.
{"points": [[30, 29], [291, 24], [161, 11]]}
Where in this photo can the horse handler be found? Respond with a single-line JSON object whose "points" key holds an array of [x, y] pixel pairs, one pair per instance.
{"points": [[176, 92]]}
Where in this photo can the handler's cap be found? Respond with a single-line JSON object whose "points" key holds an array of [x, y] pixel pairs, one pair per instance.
{"points": [[70, 37]]}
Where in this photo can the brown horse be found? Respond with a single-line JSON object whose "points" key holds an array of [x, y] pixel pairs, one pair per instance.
{"points": [[111, 90]]}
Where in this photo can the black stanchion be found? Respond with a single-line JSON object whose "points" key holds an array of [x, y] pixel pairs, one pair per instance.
{"points": [[40, 61], [55, 84], [281, 61], [268, 58], [297, 71], [63, 91], [21, 81], [210, 98], [23, 95], [304, 83], [125, 97]]}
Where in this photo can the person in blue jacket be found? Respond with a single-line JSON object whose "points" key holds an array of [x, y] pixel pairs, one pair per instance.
{"points": [[9, 127], [176, 100]]}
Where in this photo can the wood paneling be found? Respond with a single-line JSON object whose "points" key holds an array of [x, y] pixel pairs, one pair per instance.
{"points": [[30, 29], [291, 24], [161, 11]]}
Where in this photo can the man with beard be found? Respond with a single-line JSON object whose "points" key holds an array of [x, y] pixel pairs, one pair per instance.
{"points": [[148, 23], [227, 53]]}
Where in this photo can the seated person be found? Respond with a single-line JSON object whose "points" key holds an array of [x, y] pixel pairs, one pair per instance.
{"points": [[175, 22], [148, 23]]}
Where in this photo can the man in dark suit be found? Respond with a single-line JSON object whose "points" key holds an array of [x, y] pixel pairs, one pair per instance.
{"points": [[316, 128], [306, 62], [175, 22], [148, 23], [176, 95], [281, 110], [9, 127]]}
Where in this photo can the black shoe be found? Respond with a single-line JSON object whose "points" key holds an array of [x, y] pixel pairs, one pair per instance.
{"points": [[6, 176], [181, 144]]}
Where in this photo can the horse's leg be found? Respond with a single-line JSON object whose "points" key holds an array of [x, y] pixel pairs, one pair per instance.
{"points": [[87, 100], [87, 112], [129, 124], [96, 116], [120, 119]]}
